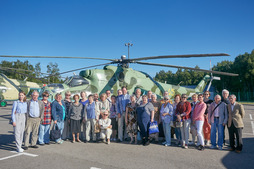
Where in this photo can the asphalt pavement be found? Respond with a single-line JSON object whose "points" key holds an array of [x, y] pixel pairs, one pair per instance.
{"points": [[122, 155]]}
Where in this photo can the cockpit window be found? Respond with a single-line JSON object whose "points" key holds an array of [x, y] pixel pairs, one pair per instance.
{"points": [[76, 81]]}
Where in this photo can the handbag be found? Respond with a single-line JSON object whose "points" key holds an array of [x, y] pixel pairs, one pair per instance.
{"points": [[55, 133], [153, 127], [96, 127], [179, 124]]}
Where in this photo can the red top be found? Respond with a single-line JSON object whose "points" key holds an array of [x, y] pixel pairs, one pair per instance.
{"points": [[184, 110]]}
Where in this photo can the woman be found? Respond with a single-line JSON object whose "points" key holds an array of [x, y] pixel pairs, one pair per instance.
{"points": [[90, 118], [131, 119], [75, 116], [113, 117], [156, 106], [68, 102], [207, 126], [45, 124], [58, 110], [18, 116], [105, 126], [198, 120], [104, 104], [145, 113], [183, 110], [166, 113], [177, 99], [83, 100]]}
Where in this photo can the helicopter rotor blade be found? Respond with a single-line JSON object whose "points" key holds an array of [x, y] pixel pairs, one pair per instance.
{"points": [[78, 69], [183, 67], [61, 57], [8, 68], [26, 75], [180, 56]]}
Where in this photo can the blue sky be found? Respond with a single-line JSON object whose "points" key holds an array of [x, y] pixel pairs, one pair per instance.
{"points": [[99, 28]]}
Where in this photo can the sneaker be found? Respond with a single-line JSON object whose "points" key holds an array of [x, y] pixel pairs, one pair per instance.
{"points": [[186, 146], [164, 142], [21, 150], [108, 142], [213, 147], [35, 146], [191, 143], [201, 148], [25, 148], [220, 148], [167, 145]]}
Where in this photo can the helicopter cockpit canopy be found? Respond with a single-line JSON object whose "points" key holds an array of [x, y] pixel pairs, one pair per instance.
{"points": [[76, 81]]}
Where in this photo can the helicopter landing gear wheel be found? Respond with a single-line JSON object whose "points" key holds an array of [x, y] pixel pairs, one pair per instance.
{"points": [[3, 103]]}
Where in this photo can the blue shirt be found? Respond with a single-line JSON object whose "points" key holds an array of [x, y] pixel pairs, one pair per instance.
{"points": [[18, 107], [123, 101], [167, 109], [90, 110], [34, 110], [84, 103]]}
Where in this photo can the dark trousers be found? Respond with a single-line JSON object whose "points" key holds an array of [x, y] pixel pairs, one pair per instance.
{"points": [[235, 132]]}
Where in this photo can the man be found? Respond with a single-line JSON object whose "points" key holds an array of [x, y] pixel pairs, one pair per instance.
{"points": [[235, 123], [225, 94], [138, 96], [122, 101], [149, 95], [35, 113], [108, 94], [217, 117]]}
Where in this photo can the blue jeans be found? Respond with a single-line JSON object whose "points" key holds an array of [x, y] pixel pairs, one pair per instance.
{"points": [[214, 127], [44, 133], [167, 132], [178, 133], [60, 125]]}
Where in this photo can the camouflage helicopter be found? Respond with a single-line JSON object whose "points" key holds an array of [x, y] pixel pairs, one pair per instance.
{"points": [[114, 77], [9, 88]]}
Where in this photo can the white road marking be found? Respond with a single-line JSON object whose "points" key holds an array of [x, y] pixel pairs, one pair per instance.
{"points": [[18, 154], [94, 168], [250, 116], [252, 125], [4, 158], [248, 134]]}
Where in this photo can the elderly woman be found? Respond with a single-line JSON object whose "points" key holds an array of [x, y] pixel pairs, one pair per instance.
{"points": [[138, 96], [207, 126], [68, 102], [18, 116], [177, 99], [105, 126], [166, 113], [90, 118], [156, 106], [198, 120], [183, 110], [83, 100], [58, 110], [75, 116], [145, 114], [105, 105], [45, 124], [131, 119]]}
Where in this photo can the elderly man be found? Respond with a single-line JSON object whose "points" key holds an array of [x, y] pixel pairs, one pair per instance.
{"points": [[122, 101], [108, 94], [235, 124], [35, 113], [225, 94], [217, 117], [138, 96]]}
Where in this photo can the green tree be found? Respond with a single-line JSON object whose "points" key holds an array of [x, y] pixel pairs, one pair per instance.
{"points": [[53, 71]]}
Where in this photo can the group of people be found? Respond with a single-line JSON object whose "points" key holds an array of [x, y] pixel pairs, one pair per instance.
{"points": [[117, 118]]}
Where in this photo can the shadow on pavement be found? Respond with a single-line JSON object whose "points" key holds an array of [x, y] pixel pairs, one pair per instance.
{"points": [[245, 159], [7, 142]]}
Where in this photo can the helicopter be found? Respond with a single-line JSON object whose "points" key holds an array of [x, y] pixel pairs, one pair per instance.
{"points": [[9, 88], [114, 77]]}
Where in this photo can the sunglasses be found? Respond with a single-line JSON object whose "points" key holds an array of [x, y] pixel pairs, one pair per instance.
{"points": [[105, 114], [206, 94], [45, 96], [184, 97]]}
